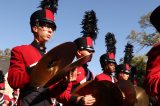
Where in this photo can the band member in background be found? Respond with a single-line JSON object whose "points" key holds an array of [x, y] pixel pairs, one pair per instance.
{"points": [[4, 99], [25, 56], [152, 78], [85, 47], [15, 95], [123, 70], [107, 60]]}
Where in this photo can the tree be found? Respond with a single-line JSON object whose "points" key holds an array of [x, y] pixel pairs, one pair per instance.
{"points": [[148, 36], [1, 53], [7, 52], [139, 62]]}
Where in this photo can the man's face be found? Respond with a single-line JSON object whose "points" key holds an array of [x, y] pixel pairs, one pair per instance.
{"points": [[82, 53], [124, 76], [44, 32], [110, 67], [72, 75]]}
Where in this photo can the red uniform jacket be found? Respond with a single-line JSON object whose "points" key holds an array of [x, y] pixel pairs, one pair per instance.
{"points": [[18, 77], [105, 77], [21, 58], [152, 78], [84, 74]]}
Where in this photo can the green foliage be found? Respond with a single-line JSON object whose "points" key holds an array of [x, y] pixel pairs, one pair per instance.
{"points": [[144, 21], [140, 63], [5, 54]]}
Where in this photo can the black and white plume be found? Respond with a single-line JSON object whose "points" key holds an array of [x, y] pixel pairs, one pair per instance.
{"points": [[49, 4]]}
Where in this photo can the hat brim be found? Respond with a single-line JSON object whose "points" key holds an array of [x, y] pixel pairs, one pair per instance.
{"points": [[111, 61], [89, 49], [50, 22], [154, 17]]}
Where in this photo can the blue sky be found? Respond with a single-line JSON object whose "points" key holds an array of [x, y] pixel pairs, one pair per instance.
{"points": [[116, 16]]}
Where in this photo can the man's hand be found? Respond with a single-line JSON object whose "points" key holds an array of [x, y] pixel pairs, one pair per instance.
{"points": [[86, 100], [72, 76]]}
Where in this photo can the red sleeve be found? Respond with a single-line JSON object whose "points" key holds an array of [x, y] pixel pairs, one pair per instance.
{"points": [[17, 75], [66, 95], [57, 89], [152, 79]]}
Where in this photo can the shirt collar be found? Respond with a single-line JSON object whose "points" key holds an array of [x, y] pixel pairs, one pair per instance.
{"points": [[41, 49]]}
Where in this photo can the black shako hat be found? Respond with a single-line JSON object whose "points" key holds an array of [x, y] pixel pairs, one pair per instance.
{"points": [[45, 14], [90, 30], [126, 65], [155, 18], [109, 56]]}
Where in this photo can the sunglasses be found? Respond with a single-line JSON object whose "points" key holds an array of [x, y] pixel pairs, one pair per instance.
{"points": [[126, 73]]}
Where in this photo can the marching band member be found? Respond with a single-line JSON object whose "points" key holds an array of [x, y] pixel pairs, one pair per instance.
{"points": [[107, 60], [4, 99], [85, 47], [24, 57], [152, 78], [15, 95], [123, 70]]}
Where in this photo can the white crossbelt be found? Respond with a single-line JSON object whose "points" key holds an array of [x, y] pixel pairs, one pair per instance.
{"points": [[112, 77]]}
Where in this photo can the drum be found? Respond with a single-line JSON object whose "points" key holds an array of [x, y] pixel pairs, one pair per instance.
{"points": [[141, 97], [105, 92], [128, 91]]}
